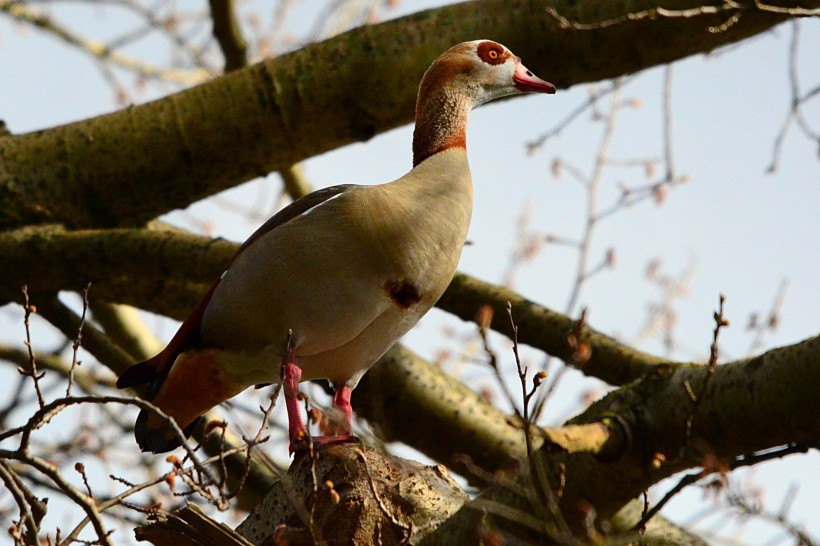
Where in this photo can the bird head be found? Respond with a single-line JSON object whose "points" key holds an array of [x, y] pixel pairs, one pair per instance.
{"points": [[486, 69]]}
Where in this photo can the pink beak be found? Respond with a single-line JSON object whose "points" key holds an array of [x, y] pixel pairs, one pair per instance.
{"points": [[527, 82]]}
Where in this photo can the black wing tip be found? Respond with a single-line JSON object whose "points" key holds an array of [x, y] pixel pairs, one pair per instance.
{"points": [[141, 373], [158, 440]]}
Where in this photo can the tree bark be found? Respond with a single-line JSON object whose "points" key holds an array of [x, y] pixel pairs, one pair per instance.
{"points": [[684, 417], [125, 168], [354, 495]]}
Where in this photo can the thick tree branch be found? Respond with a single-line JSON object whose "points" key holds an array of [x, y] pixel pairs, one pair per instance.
{"points": [[126, 329], [742, 410], [94, 340], [86, 380], [410, 400], [130, 166], [165, 271], [745, 406], [544, 329]]}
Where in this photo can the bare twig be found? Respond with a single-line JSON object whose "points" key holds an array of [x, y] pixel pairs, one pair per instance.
{"points": [[589, 103], [662, 314], [85, 379], [798, 100], [687, 480], [582, 269], [771, 319], [95, 341], [136, 488], [593, 184], [732, 8], [78, 497], [32, 362], [47, 412], [484, 318], [77, 342], [256, 440], [23, 12], [80, 468], [721, 467], [749, 507], [720, 323], [31, 508], [526, 395]]}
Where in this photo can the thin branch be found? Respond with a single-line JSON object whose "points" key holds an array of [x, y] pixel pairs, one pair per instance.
{"points": [[771, 319], [26, 502], [755, 509], [117, 500], [86, 380], [253, 442], [167, 26], [720, 323], [483, 320], [589, 103], [667, 124], [738, 462], [731, 7], [95, 341], [582, 265], [77, 342], [32, 362], [78, 497], [47, 412], [22, 12], [124, 326], [798, 100], [228, 34]]}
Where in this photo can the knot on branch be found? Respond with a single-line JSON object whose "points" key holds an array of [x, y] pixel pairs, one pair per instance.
{"points": [[354, 495]]}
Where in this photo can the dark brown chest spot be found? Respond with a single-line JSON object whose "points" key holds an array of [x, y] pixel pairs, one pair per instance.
{"points": [[402, 292]]}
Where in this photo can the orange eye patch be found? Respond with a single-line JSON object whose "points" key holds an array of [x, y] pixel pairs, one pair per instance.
{"points": [[492, 53]]}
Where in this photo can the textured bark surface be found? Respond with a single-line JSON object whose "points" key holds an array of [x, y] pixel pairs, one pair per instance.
{"points": [[125, 168], [352, 495], [149, 269], [739, 404], [188, 527]]}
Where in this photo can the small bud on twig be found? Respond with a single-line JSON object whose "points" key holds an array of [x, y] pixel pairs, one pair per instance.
{"points": [[484, 317]]}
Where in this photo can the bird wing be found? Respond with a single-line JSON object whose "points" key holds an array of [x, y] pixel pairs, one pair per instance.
{"points": [[321, 275], [154, 370]]}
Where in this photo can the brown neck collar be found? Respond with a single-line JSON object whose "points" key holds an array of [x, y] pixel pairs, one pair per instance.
{"points": [[442, 111]]}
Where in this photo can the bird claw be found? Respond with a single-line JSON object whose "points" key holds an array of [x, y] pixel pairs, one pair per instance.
{"points": [[316, 443]]}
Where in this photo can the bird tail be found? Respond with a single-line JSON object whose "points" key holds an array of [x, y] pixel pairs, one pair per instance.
{"points": [[193, 384]]}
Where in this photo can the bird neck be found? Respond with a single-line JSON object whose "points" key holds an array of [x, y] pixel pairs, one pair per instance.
{"points": [[441, 121]]}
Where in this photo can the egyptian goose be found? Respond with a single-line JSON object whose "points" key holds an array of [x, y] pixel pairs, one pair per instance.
{"points": [[327, 285]]}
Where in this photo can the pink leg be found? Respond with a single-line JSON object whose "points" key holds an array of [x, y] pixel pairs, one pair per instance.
{"points": [[291, 375], [341, 401]]}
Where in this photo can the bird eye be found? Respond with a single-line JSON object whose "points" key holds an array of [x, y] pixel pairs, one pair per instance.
{"points": [[491, 52]]}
